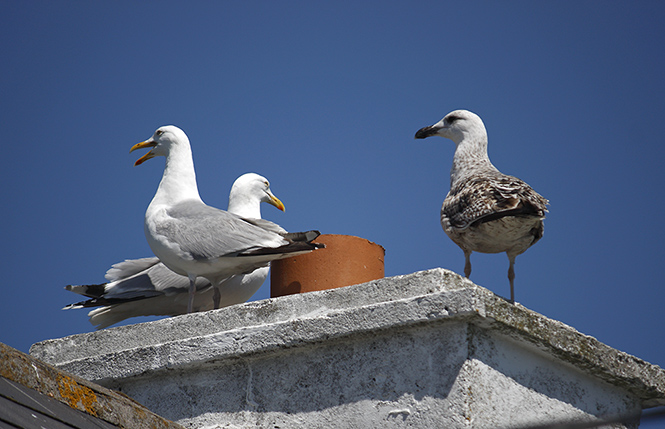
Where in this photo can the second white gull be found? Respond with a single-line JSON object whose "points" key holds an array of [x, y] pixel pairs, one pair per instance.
{"points": [[197, 240], [146, 287]]}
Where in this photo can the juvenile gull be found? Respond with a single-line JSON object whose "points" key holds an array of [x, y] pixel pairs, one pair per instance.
{"points": [[485, 211], [197, 240], [146, 287]]}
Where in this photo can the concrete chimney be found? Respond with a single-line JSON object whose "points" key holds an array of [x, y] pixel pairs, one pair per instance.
{"points": [[427, 350]]}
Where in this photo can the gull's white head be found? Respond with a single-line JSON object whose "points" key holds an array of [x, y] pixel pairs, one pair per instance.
{"points": [[249, 190], [161, 142], [457, 126]]}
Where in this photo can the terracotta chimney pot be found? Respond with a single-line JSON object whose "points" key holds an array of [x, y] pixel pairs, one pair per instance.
{"points": [[346, 260]]}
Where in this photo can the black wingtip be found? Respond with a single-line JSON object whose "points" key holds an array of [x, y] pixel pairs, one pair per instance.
{"points": [[103, 301], [91, 291], [306, 236], [93, 302], [294, 247]]}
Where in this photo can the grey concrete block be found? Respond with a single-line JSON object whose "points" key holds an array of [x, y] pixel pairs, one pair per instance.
{"points": [[429, 349]]}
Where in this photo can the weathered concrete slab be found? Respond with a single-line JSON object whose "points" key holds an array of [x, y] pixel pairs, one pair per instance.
{"points": [[429, 349]]}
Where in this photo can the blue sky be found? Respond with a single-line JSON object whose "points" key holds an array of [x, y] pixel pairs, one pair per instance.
{"points": [[323, 98]]}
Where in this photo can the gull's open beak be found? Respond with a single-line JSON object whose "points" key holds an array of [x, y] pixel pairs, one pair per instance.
{"points": [[425, 132], [276, 202], [142, 145]]}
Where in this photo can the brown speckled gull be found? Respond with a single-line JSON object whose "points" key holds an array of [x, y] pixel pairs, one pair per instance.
{"points": [[485, 211]]}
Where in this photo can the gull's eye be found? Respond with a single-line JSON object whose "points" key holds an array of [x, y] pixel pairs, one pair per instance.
{"points": [[451, 119], [159, 132], [267, 184]]}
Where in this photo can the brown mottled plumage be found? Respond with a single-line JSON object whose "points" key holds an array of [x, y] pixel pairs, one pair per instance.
{"points": [[485, 211]]}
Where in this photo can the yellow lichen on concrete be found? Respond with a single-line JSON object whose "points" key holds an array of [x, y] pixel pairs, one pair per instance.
{"points": [[77, 396], [115, 408]]}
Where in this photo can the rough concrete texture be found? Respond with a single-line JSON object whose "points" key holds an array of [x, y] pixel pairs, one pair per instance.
{"points": [[97, 401], [429, 349]]}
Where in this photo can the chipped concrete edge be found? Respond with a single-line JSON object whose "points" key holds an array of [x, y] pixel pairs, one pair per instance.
{"points": [[645, 380], [251, 315], [254, 340], [78, 393]]}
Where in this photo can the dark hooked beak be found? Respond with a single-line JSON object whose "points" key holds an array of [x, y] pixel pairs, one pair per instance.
{"points": [[425, 132]]}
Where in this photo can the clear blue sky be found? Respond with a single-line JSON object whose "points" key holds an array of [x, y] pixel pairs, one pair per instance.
{"points": [[324, 98]]}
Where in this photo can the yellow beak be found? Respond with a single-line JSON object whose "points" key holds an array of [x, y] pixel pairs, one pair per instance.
{"points": [[276, 202], [142, 145]]}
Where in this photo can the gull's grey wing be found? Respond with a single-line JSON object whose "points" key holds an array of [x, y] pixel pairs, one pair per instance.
{"points": [[129, 267], [156, 280], [120, 271], [266, 224], [482, 199], [236, 290], [205, 232]]}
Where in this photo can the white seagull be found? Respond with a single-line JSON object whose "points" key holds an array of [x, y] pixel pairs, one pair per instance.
{"points": [[485, 211], [197, 240], [146, 287]]}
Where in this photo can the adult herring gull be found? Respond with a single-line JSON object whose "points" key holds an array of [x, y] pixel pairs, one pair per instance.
{"points": [[485, 211], [197, 240], [146, 287]]}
